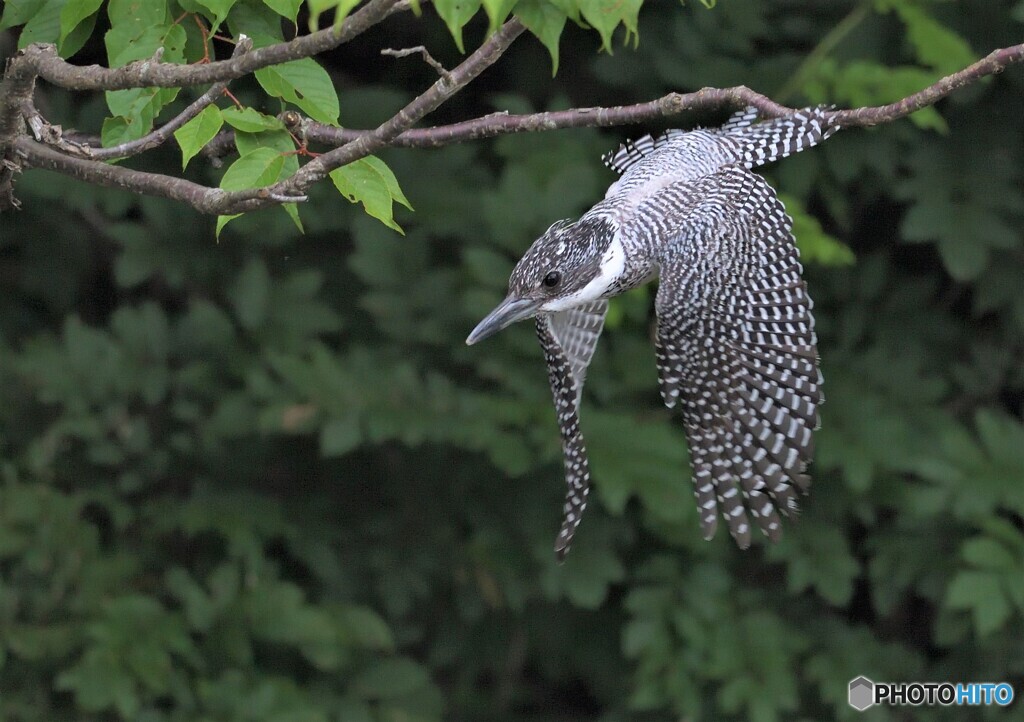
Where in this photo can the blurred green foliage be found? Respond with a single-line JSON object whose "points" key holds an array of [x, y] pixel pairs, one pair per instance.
{"points": [[264, 479]]}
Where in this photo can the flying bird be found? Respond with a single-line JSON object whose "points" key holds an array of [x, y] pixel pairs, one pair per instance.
{"points": [[735, 345]]}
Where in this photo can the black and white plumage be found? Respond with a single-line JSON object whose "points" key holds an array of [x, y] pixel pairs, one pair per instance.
{"points": [[736, 349]]}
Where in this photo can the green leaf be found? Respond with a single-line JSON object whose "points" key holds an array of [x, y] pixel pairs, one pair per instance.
{"points": [[815, 245], [218, 10], [370, 182], [497, 12], [250, 120], [339, 436], [963, 259], [19, 12], [199, 131], [546, 22], [250, 294], [987, 553], [456, 13], [606, 15], [257, 169], [288, 9], [43, 25], [934, 44], [73, 13], [980, 592], [390, 678], [305, 84], [341, 10], [253, 170]]}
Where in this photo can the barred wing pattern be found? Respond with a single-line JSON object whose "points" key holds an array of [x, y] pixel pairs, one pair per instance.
{"points": [[739, 140], [568, 339], [736, 351]]}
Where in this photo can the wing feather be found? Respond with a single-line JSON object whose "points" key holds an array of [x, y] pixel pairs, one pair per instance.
{"points": [[737, 352]]}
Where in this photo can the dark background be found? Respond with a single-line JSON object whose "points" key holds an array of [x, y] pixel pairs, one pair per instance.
{"points": [[264, 479]]}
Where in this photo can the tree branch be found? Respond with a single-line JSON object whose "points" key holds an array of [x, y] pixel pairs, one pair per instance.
{"points": [[672, 104], [397, 131], [382, 136], [32, 154], [43, 61], [52, 135]]}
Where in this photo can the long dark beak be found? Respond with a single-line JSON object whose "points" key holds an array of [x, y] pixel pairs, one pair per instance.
{"points": [[508, 312]]}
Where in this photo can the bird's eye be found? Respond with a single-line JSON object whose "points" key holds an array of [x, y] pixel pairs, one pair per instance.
{"points": [[551, 280]]}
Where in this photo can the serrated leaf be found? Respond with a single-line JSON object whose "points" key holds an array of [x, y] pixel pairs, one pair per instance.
{"points": [[199, 131], [305, 84], [370, 182], [546, 22], [261, 167], [456, 13]]}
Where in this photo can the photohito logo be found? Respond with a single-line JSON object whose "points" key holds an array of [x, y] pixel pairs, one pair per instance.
{"points": [[864, 693]]}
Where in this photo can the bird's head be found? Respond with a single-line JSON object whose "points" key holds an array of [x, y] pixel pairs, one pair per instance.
{"points": [[565, 267]]}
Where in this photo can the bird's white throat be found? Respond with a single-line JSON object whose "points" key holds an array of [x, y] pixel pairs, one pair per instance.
{"points": [[613, 263]]}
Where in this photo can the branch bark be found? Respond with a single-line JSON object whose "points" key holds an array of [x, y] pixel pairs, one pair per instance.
{"points": [[43, 61], [352, 144], [667, 106]]}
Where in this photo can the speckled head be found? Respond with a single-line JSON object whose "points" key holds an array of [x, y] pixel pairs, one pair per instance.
{"points": [[568, 265]]}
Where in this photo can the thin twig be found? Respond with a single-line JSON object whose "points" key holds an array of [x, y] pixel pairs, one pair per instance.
{"points": [[160, 135], [382, 136], [427, 58]]}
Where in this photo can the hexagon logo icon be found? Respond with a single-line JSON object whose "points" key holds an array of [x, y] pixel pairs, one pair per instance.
{"points": [[862, 693]]}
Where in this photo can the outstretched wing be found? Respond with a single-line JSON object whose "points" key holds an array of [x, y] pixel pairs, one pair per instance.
{"points": [[736, 351], [569, 339]]}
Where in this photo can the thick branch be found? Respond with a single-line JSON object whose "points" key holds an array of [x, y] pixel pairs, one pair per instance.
{"points": [[47, 64], [37, 155]]}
